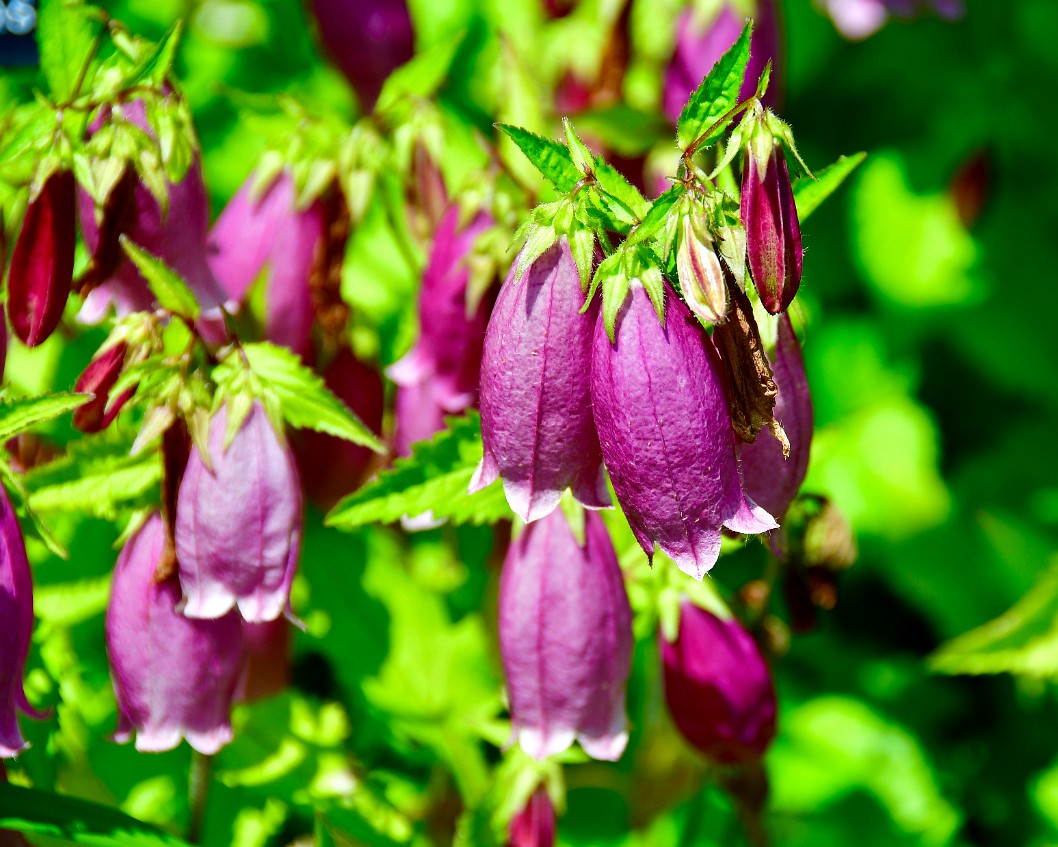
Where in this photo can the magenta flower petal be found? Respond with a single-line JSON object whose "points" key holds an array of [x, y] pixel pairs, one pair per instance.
{"points": [[566, 639], [534, 826], [536, 420], [238, 529], [773, 232], [173, 676], [16, 612], [666, 435], [718, 687], [770, 479]]}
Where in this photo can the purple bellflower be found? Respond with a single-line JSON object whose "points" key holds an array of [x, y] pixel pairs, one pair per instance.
{"points": [[536, 420], [666, 435], [173, 676], [238, 527], [566, 639], [718, 687]]}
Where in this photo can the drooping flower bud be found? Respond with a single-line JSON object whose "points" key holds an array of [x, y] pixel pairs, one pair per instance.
{"points": [[238, 527], [770, 479], [173, 676], [536, 421], [718, 687], [367, 39], [565, 638], [773, 233], [16, 612], [177, 236], [42, 261], [98, 378], [534, 826], [331, 467], [666, 436], [701, 277], [269, 229], [701, 43], [441, 370]]}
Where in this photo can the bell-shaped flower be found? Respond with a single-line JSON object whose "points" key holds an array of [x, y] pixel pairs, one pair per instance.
{"points": [[441, 370], [666, 436], [718, 687], [536, 421], [773, 232], [367, 39], [177, 236], [42, 261], [565, 638], [16, 612], [266, 228], [701, 41], [767, 476], [173, 676], [534, 825], [238, 525]]}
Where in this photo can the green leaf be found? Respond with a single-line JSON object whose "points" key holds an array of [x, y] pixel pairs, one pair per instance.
{"points": [[172, 292], [24, 413], [614, 183], [78, 821], [306, 401], [420, 77], [717, 95], [65, 37], [657, 216], [809, 193], [14, 485], [549, 157], [1023, 640], [433, 479], [96, 477], [158, 63]]}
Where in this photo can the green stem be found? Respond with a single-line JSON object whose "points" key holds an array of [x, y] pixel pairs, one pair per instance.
{"points": [[198, 792]]}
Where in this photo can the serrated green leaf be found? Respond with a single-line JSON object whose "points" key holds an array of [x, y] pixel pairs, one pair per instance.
{"points": [[65, 36], [23, 413], [578, 150], [658, 215], [96, 477], [14, 485], [420, 77], [433, 479], [306, 401], [810, 193], [172, 292], [75, 820], [549, 157], [717, 95], [613, 182]]}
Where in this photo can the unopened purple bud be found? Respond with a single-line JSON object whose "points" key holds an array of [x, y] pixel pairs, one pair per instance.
{"points": [[699, 46], [666, 435], [534, 826], [178, 238], [42, 261], [173, 676], [98, 378], [238, 527], [536, 421], [566, 639], [773, 233], [270, 230], [718, 687], [368, 40], [16, 612], [770, 479]]}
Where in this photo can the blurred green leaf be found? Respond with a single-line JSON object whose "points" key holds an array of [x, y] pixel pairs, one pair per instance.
{"points": [[810, 193], [65, 37], [23, 413]]}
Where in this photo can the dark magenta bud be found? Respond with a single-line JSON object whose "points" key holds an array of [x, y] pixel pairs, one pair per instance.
{"points": [[536, 421], [238, 526], [173, 676], [565, 639], [534, 825], [16, 612], [718, 687], [770, 479], [98, 378], [666, 436], [42, 261], [773, 233], [702, 40], [367, 39]]}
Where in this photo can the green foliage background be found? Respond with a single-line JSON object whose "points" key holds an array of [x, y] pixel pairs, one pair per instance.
{"points": [[930, 351]]}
